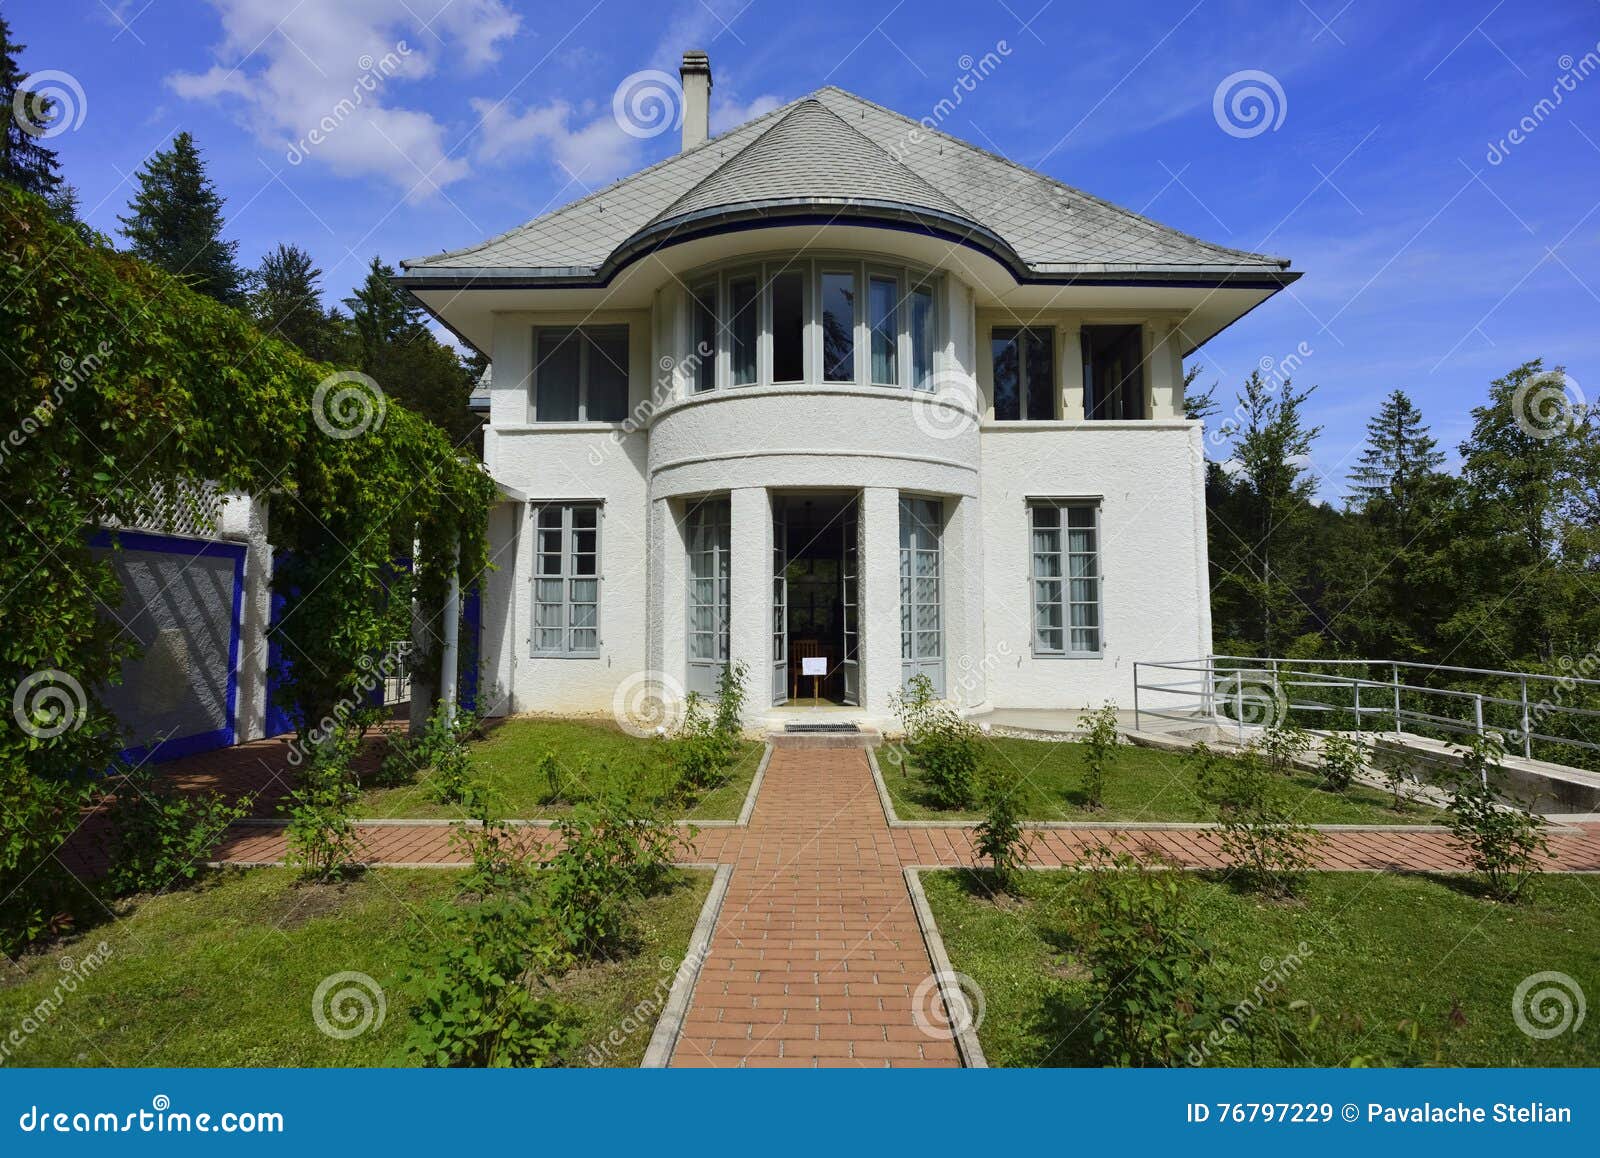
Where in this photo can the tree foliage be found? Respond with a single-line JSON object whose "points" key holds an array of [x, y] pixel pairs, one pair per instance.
{"points": [[175, 222]]}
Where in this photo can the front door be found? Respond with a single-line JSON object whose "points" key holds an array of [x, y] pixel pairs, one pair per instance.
{"points": [[922, 591], [780, 603]]}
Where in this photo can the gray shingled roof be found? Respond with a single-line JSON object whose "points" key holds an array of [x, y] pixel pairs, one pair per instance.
{"points": [[835, 148]]}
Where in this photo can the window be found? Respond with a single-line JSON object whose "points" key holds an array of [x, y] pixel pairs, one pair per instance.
{"points": [[704, 328], [1113, 372], [922, 339], [789, 327], [1024, 373], [838, 327], [883, 312], [566, 580], [708, 544], [744, 302], [581, 375], [1065, 578]]}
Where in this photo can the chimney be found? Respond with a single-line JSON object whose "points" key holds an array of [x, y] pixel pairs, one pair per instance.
{"points": [[695, 73]]}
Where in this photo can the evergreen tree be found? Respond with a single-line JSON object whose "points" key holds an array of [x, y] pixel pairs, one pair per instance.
{"points": [[1399, 461], [175, 222], [25, 160], [380, 314], [1264, 522], [286, 302]]}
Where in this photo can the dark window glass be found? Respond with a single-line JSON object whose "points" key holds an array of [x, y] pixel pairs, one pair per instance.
{"points": [[1006, 349], [1039, 357], [705, 337], [1113, 372], [556, 375], [922, 339], [883, 308], [788, 327], [608, 376], [746, 306], [838, 327]]}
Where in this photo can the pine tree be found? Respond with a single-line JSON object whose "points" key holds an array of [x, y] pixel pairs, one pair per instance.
{"points": [[1263, 520], [25, 160], [175, 222], [286, 302], [1398, 462], [381, 315]]}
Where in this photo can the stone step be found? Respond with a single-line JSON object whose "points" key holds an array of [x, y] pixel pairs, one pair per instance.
{"points": [[810, 738]]}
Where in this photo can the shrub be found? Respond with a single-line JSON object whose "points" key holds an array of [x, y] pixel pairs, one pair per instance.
{"points": [[479, 989], [41, 812], [948, 754], [697, 748], [731, 696], [1142, 943], [1397, 772], [322, 839], [550, 773], [1504, 844], [159, 834], [1281, 743], [499, 866], [1343, 758], [999, 837], [1100, 740], [1260, 838], [606, 857], [913, 706], [444, 746]]}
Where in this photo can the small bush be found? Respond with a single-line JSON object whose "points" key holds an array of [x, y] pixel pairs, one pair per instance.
{"points": [[322, 839], [1343, 759], [940, 742], [550, 773], [913, 706], [698, 750], [731, 696], [41, 811], [1100, 740], [1504, 844], [1398, 771], [161, 835], [1261, 840], [999, 837], [607, 857], [1143, 945], [480, 993], [1282, 743]]}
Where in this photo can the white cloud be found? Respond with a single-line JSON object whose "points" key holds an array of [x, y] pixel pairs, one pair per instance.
{"points": [[322, 82], [727, 114], [587, 144]]}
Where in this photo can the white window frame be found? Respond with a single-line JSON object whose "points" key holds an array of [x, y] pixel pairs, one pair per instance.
{"points": [[567, 577], [585, 335], [1066, 651], [902, 324]]}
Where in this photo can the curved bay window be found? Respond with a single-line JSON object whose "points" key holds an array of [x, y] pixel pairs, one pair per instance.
{"points": [[842, 320]]}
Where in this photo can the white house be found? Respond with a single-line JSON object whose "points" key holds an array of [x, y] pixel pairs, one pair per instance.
{"points": [[837, 385]]}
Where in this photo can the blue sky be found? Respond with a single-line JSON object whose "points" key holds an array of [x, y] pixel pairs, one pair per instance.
{"points": [[1428, 263]]}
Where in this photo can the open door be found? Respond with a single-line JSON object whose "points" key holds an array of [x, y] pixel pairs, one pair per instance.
{"points": [[849, 607], [780, 603]]}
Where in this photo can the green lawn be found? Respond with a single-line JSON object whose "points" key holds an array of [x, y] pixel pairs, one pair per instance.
{"points": [[223, 974], [1142, 784], [1381, 948], [593, 756]]}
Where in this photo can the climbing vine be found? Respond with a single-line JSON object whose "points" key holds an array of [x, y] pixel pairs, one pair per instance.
{"points": [[124, 391]]}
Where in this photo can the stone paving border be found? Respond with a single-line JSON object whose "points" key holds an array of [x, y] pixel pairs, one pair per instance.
{"points": [[1552, 827], [669, 1026], [966, 1037]]}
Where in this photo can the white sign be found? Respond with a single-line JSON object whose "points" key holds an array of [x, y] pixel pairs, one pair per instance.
{"points": [[814, 665]]}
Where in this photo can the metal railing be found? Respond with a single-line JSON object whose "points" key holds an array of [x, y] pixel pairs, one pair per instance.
{"points": [[1249, 691]]}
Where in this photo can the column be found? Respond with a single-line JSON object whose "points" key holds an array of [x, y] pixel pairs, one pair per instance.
{"points": [[1072, 401], [750, 595], [880, 598], [967, 660]]}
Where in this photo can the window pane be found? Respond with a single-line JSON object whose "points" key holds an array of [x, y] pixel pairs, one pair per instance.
{"points": [[838, 327], [788, 327], [1007, 374], [1041, 371], [1113, 374], [585, 639], [705, 338], [884, 313], [745, 305], [922, 339], [585, 516], [608, 376], [556, 373]]}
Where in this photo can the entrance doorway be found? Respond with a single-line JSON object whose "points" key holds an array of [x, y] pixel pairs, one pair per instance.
{"points": [[815, 600]]}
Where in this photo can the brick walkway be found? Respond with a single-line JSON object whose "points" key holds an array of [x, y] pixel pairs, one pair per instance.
{"points": [[817, 958]]}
